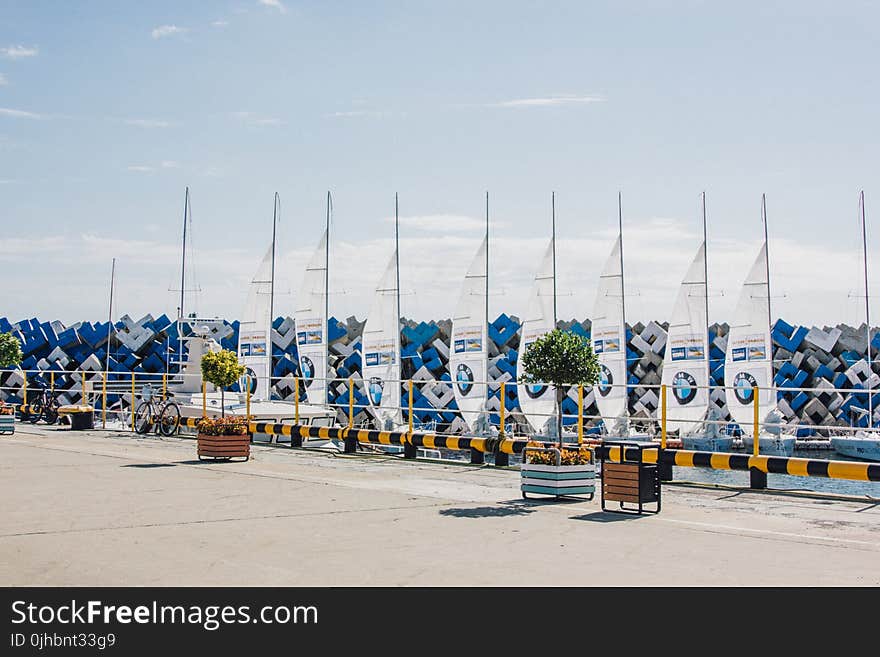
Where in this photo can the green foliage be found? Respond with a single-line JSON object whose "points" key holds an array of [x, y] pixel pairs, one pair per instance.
{"points": [[221, 368], [10, 350], [560, 358], [231, 425]]}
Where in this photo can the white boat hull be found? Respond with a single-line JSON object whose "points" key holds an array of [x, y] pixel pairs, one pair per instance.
{"points": [[702, 443], [865, 448], [770, 445]]}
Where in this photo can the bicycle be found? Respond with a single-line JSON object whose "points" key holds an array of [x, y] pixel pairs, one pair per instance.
{"points": [[163, 415], [43, 407]]}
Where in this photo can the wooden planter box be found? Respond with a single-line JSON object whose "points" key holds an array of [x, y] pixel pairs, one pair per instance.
{"points": [[556, 480], [224, 447]]}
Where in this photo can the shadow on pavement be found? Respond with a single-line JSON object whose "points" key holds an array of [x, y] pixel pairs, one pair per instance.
{"points": [[487, 511], [149, 465], [608, 516]]}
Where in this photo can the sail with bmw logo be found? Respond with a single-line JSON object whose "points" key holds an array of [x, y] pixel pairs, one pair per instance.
{"points": [[311, 319], [255, 327], [380, 344], [468, 356]]}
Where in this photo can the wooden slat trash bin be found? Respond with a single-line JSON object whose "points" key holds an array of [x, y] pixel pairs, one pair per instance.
{"points": [[627, 479]]}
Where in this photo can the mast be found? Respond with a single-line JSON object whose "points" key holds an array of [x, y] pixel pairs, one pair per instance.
{"points": [[325, 328], [272, 278], [397, 286], [487, 275], [767, 266], [867, 306], [110, 318], [706, 284], [553, 206], [180, 313], [622, 286]]}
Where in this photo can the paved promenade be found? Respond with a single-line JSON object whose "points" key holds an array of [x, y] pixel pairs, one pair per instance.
{"points": [[104, 508]]}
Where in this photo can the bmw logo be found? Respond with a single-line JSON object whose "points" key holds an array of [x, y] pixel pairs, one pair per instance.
{"points": [[307, 368], [249, 380], [742, 387], [464, 378], [606, 380], [684, 387], [375, 390]]}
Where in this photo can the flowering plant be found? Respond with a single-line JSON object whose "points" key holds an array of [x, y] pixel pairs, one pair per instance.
{"points": [[567, 456], [231, 425]]}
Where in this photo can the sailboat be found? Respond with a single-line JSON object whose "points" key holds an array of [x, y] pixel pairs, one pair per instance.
{"points": [[748, 362], [608, 337], [469, 356], [862, 444], [538, 401], [380, 344], [686, 371]]}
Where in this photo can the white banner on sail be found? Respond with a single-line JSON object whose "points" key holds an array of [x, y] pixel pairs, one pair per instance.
{"points": [[468, 355], [255, 332], [538, 401], [748, 362], [311, 326], [608, 337], [380, 349], [686, 361]]}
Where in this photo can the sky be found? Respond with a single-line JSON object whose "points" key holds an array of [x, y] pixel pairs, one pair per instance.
{"points": [[109, 110]]}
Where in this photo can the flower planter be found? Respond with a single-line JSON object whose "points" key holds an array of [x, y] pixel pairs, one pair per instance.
{"points": [[7, 419], [224, 447], [556, 480]]}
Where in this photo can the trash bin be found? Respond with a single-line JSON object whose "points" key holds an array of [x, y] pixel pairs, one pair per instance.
{"points": [[81, 416]]}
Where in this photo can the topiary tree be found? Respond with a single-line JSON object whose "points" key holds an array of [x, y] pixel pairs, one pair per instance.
{"points": [[222, 369], [560, 358], [10, 350]]}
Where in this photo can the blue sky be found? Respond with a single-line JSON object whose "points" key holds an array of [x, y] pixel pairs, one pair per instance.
{"points": [[108, 110]]}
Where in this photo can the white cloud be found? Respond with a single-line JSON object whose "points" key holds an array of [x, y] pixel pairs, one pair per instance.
{"points": [[18, 52], [220, 23], [3, 80], [254, 119], [140, 168], [379, 114], [170, 164], [7, 181], [147, 123], [275, 4], [19, 114], [549, 101], [168, 30]]}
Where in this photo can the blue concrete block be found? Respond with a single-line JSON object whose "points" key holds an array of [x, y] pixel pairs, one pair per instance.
{"points": [[5, 326], [850, 358], [335, 330], [798, 401], [434, 364], [68, 338], [790, 340]]}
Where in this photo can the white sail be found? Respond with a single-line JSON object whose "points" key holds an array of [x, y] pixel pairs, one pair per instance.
{"points": [[380, 349], [255, 331], [686, 362], [311, 326], [468, 355], [538, 401], [608, 336], [748, 362]]}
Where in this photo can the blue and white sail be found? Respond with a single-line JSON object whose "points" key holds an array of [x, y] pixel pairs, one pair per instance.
{"points": [[686, 361], [380, 349], [538, 401], [608, 337], [255, 330], [748, 362], [311, 325], [468, 355]]}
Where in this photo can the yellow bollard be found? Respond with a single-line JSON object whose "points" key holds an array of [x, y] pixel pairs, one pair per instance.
{"points": [[52, 382], [296, 400], [410, 411], [164, 385], [663, 416], [104, 401], [132, 401], [204, 399], [247, 380], [501, 414], [580, 415], [757, 427], [24, 388], [85, 397], [350, 402]]}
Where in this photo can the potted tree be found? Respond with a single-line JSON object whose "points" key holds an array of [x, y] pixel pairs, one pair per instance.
{"points": [[562, 359], [10, 355], [223, 437]]}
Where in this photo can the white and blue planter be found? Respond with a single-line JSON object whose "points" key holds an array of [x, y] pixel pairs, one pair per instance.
{"points": [[556, 480]]}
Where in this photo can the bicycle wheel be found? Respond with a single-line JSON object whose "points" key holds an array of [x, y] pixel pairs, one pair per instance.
{"points": [[50, 413], [143, 417], [35, 411], [169, 419]]}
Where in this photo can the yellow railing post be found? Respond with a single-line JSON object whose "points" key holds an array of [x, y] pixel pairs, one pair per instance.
{"points": [[104, 401], [85, 398], [296, 400], [132, 401], [663, 416], [247, 380], [410, 411], [502, 413], [757, 427], [580, 414], [24, 388], [52, 382], [350, 402], [164, 385], [204, 399]]}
